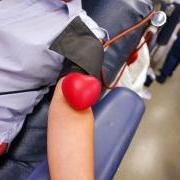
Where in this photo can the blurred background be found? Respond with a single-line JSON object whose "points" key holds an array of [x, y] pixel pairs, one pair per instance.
{"points": [[155, 150]]}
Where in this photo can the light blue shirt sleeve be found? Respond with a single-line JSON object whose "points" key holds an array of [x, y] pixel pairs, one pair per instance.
{"points": [[27, 28]]}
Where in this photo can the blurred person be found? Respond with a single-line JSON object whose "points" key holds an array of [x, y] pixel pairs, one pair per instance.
{"points": [[168, 29], [171, 62], [162, 41]]}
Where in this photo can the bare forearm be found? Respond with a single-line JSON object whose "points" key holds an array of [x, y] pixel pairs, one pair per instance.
{"points": [[70, 141]]}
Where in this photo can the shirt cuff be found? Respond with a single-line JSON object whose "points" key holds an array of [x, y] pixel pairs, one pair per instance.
{"points": [[99, 32], [75, 9]]}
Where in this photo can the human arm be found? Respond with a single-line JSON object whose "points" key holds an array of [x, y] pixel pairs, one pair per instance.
{"points": [[70, 140]]}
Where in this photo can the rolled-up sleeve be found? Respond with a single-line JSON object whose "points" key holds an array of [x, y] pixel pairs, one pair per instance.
{"points": [[75, 9]]}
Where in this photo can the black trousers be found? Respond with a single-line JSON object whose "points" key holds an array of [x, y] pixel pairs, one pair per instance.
{"points": [[167, 30], [172, 60]]}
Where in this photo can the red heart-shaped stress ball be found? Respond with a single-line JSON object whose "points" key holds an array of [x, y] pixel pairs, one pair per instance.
{"points": [[81, 91]]}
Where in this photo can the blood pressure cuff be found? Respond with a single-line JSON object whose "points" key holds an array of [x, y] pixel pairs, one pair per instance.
{"points": [[81, 47]]}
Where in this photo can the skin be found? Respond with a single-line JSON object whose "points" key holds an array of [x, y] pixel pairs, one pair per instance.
{"points": [[70, 140]]}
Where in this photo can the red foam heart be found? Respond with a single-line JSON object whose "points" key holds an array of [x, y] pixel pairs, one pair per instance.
{"points": [[3, 148], [81, 91]]}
